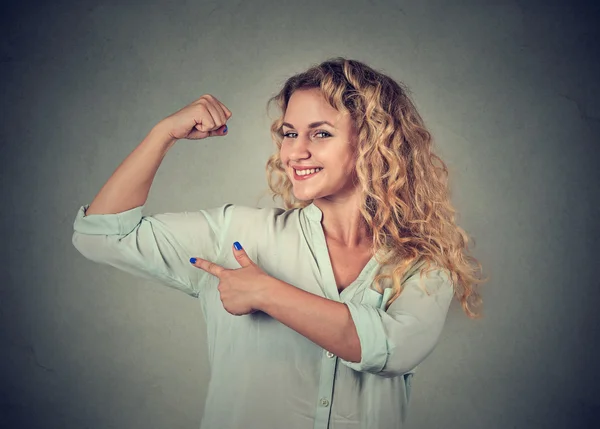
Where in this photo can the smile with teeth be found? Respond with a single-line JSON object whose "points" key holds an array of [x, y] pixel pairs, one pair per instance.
{"points": [[307, 172]]}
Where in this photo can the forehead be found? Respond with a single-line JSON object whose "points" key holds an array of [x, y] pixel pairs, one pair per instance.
{"points": [[308, 98], [309, 105]]}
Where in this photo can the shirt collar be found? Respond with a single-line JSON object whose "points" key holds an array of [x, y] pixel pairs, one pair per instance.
{"points": [[313, 212]]}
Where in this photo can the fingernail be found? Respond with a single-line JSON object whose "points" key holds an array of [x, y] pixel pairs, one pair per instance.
{"points": [[193, 260], [237, 246], [225, 129]]}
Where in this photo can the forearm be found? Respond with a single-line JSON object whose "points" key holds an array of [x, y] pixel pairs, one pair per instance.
{"points": [[325, 322], [129, 185]]}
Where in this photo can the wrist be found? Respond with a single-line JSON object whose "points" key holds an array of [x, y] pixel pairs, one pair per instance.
{"points": [[162, 133], [265, 295]]}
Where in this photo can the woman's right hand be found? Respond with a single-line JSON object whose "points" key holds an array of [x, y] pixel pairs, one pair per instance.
{"points": [[205, 117]]}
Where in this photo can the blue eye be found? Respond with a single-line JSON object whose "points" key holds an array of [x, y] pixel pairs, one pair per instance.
{"points": [[318, 132]]}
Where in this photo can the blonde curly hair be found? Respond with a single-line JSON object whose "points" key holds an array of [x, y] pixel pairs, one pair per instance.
{"points": [[406, 202]]}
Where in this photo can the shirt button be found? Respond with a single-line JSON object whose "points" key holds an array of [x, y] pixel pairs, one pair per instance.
{"points": [[330, 355], [324, 402]]}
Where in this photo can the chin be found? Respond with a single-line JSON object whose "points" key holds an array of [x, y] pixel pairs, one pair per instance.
{"points": [[305, 196]]}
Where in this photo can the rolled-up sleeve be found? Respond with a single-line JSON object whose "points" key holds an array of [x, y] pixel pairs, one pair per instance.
{"points": [[395, 341], [156, 247]]}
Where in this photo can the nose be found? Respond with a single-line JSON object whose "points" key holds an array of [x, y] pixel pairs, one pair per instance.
{"points": [[300, 148]]}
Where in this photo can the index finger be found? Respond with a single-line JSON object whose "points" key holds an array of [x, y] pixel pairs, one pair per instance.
{"points": [[209, 267]]}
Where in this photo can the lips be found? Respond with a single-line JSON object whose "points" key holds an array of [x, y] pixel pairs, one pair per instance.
{"points": [[305, 177]]}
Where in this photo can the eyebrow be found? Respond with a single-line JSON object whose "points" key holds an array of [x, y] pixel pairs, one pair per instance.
{"points": [[311, 125]]}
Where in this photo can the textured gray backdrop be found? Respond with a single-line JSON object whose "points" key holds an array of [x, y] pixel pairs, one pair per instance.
{"points": [[510, 90]]}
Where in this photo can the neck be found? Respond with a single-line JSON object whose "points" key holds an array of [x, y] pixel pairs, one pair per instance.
{"points": [[343, 223]]}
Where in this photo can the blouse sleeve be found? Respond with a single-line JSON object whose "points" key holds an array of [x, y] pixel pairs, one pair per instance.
{"points": [[156, 247], [395, 341]]}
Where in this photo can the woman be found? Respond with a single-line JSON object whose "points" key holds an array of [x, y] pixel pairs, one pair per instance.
{"points": [[342, 293]]}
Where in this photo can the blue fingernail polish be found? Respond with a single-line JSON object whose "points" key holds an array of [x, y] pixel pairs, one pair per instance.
{"points": [[237, 246], [193, 260], [225, 129]]}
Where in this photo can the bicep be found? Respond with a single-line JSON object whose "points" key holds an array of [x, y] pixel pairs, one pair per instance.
{"points": [[154, 247]]}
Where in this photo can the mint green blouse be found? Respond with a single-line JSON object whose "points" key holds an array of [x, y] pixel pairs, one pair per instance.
{"points": [[264, 374]]}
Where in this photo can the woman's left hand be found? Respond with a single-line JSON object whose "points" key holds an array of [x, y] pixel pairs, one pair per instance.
{"points": [[240, 289]]}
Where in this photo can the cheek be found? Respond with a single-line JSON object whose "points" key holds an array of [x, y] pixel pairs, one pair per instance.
{"points": [[283, 154], [347, 162]]}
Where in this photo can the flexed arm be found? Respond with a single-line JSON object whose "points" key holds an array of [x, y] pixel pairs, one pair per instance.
{"points": [[112, 230], [129, 185]]}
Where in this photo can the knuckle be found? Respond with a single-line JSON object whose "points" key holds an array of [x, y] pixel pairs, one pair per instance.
{"points": [[206, 126]]}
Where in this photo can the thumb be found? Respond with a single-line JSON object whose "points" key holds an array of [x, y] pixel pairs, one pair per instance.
{"points": [[218, 132], [241, 255]]}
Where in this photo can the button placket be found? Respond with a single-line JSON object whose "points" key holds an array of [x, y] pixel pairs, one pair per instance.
{"points": [[325, 394]]}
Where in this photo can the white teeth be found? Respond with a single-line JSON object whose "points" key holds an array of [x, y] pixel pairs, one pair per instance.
{"points": [[305, 172]]}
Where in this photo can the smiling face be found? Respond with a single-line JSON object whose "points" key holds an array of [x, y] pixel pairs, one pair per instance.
{"points": [[318, 136]]}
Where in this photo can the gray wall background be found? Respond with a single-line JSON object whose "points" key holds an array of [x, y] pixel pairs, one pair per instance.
{"points": [[509, 88]]}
